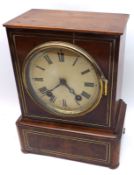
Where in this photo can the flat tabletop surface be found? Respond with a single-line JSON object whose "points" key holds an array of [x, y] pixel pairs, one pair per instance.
{"points": [[91, 22]]}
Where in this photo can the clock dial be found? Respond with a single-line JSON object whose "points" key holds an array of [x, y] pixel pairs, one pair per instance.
{"points": [[62, 79]]}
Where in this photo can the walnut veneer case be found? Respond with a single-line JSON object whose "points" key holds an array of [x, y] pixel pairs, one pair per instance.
{"points": [[68, 67]]}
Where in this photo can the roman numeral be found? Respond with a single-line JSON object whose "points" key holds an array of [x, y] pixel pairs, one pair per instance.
{"points": [[61, 56], [75, 61], [64, 103], [77, 103], [88, 84], [85, 94], [38, 79], [47, 58], [43, 90], [85, 72], [52, 99], [39, 67]]}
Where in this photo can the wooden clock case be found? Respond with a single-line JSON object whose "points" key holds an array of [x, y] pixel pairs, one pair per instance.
{"points": [[96, 136]]}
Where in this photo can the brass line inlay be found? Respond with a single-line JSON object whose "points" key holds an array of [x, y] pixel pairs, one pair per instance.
{"points": [[109, 101], [107, 145], [20, 83], [109, 104], [112, 78]]}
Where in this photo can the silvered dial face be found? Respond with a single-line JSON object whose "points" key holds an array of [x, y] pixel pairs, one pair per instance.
{"points": [[62, 80]]}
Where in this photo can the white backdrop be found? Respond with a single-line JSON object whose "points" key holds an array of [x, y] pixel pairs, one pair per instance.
{"points": [[12, 160]]}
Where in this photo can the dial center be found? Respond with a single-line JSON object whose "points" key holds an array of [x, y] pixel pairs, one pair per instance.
{"points": [[63, 81]]}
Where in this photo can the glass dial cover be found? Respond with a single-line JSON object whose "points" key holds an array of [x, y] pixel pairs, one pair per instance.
{"points": [[62, 78]]}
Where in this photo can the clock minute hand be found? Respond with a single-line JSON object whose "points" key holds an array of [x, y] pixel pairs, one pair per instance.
{"points": [[49, 92], [55, 87]]}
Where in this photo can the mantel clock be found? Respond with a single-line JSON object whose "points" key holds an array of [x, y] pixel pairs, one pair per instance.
{"points": [[68, 68]]}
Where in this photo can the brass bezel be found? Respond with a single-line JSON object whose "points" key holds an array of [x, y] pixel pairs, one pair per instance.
{"points": [[65, 45]]}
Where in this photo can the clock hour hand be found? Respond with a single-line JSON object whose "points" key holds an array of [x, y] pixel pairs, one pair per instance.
{"points": [[71, 90]]}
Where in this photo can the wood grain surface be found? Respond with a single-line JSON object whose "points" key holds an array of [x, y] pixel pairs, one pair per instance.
{"points": [[71, 21]]}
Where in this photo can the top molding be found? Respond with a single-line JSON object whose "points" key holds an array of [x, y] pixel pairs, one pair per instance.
{"points": [[72, 21]]}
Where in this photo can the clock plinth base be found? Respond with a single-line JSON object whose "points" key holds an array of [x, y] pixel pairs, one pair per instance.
{"points": [[82, 144]]}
